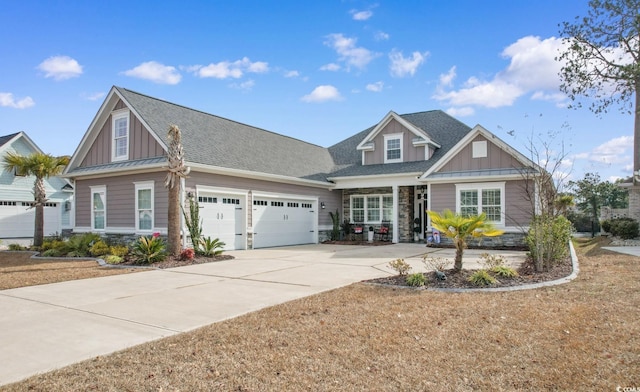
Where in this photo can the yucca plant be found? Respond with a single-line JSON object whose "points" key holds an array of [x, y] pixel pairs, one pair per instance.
{"points": [[149, 249], [211, 247]]}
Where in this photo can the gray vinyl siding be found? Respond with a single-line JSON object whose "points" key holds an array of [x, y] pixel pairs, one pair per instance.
{"points": [[496, 159], [409, 152], [120, 192], [443, 196], [141, 143], [332, 199], [517, 207]]}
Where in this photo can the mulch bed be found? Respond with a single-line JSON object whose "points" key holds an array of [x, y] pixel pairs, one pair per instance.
{"points": [[172, 262], [460, 280]]}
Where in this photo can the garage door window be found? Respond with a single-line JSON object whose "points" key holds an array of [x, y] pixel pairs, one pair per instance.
{"points": [[98, 208], [144, 206]]}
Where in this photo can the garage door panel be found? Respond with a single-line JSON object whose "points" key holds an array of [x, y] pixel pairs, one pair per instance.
{"points": [[17, 219], [223, 218], [283, 221]]}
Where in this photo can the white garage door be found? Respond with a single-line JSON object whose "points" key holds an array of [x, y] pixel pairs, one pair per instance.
{"points": [[17, 219], [223, 217], [283, 221]]}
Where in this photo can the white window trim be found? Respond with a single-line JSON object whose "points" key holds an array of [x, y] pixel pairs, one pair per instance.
{"points": [[142, 186], [98, 189], [480, 187], [479, 149], [391, 137], [117, 115], [381, 196]]}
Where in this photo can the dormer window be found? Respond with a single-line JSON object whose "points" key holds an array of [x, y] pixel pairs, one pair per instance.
{"points": [[393, 148], [120, 135]]}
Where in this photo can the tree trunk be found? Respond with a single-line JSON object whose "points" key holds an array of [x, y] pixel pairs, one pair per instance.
{"points": [[40, 198], [173, 225], [460, 244]]}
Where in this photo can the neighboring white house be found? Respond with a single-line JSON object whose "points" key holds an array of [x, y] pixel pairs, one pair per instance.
{"points": [[17, 218]]}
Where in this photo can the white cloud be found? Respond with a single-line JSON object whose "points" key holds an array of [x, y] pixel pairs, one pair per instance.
{"points": [[381, 36], [330, 67], [291, 74], [322, 94], [349, 53], [375, 87], [246, 85], [93, 96], [226, 69], [615, 151], [60, 68], [532, 69], [7, 100], [401, 66], [461, 112], [361, 15], [155, 72], [446, 80]]}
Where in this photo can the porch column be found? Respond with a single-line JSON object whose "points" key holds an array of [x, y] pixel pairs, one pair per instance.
{"points": [[396, 210]]}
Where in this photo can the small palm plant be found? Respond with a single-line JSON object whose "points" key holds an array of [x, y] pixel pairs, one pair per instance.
{"points": [[459, 228], [211, 247], [150, 249]]}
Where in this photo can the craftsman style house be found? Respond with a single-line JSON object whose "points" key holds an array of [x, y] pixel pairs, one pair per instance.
{"points": [[259, 189]]}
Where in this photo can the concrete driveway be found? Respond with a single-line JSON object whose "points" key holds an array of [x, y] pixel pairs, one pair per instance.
{"points": [[50, 326]]}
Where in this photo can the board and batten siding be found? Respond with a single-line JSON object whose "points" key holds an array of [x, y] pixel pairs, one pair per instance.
{"points": [[121, 208], [496, 158], [331, 199], [409, 152], [141, 142], [517, 207]]}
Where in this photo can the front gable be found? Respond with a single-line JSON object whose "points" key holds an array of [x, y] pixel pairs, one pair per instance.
{"points": [[116, 134], [479, 154], [395, 140]]}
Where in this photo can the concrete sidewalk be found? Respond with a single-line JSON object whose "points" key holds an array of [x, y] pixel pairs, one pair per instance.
{"points": [[50, 326], [628, 250]]}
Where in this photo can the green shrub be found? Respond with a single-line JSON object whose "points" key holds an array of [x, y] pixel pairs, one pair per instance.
{"points": [[149, 249], [113, 259], [435, 263], [99, 248], [119, 250], [625, 228], [606, 225], [415, 280], [400, 266], [211, 247], [335, 220], [16, 247], [482, 278], [504, 271], [193, 223], [79, 245], [51, 253], [549, 238]]}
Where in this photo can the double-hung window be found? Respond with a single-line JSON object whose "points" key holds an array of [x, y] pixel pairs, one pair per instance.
{"points": [[98, 208], [120, 135], [144, 206], [474, 199], [393, 148], [371, 208]]}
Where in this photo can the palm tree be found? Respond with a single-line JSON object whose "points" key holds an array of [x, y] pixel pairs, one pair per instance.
{"points": [[41, 166], [459, 228], [176, 170]]}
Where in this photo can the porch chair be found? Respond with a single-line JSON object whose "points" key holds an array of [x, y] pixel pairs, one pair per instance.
{"points": [[382, 234], [358, 229]]}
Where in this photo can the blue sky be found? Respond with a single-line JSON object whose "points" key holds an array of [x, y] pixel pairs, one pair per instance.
{"points": [[318, 71]]}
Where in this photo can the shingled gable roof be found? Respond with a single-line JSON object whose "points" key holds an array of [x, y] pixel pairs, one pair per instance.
{"points": [[5, 139], [439, 126]]}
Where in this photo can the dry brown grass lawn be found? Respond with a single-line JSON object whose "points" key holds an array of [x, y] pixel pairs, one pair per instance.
{"points": [[18, 269], [584, 335]]}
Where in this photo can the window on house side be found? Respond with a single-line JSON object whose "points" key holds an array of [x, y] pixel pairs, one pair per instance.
{"points": [[371, 208], [474, 199], [98, 208], [144, 206], [120, 134]]}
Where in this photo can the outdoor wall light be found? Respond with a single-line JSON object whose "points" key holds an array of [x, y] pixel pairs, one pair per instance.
{"points": [[322, 205]]}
